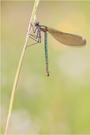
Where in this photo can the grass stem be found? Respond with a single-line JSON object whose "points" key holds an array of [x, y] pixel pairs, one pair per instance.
{"points": [[20, 66]]}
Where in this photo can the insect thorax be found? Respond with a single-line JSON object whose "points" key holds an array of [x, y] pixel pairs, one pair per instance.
{"points": [[43, 28]]}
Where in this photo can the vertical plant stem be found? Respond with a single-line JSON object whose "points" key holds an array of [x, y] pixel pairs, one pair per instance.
{"points": [[20, 65]]}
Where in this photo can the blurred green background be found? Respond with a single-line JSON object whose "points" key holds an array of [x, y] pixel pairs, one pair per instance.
{"points": [[59, 104]]}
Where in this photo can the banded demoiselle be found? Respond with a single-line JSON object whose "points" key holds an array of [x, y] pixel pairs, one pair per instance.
{"points": [[62, 37]]}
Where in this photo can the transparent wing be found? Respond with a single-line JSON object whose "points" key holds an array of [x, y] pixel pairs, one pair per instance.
{"points": [[66, 38]]}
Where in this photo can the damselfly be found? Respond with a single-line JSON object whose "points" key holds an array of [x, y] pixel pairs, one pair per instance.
{"points": [[64, 38]]}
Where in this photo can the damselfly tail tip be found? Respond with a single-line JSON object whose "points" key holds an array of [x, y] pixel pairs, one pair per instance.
{"points": [[47, 73]]}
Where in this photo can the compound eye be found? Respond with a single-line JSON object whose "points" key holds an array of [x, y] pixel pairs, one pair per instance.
{"points": [[37, 23]]}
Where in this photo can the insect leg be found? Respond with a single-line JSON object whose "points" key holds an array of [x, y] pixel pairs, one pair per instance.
{"points": [[34, 30], [39, 35]]}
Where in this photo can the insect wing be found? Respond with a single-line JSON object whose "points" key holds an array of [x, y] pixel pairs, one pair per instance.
{"points": [[66, 38]]}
